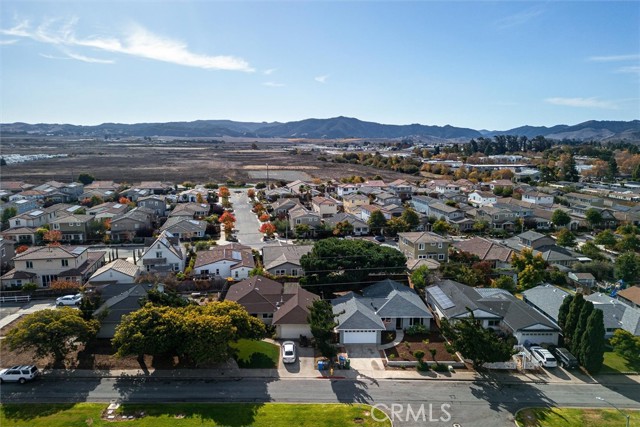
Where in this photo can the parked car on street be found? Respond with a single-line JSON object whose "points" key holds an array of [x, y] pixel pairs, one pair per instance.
{"points": [[543, 356], [379, 239], [72, 300], [20, 374], [289, 352], [565, 358]]}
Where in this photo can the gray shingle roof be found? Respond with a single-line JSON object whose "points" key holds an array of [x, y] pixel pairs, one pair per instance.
{"points": [[546, 298]]}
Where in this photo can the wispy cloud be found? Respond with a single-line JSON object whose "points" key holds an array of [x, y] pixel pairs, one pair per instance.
{"points": [[633, 69], [8, 41], [135, 41], [273, 84], [583, 103], [89, 59], [321, 79], [615, 58], [269, 71], [519, 18]]}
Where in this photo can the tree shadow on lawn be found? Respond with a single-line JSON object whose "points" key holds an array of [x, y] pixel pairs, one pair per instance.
{"points": [[508, 396], [224, 414], [256, 361], [26, 412]]}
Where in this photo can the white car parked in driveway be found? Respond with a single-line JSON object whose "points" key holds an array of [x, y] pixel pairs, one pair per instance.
{"points": [[72, 300], [543, 356], [289, 352]]}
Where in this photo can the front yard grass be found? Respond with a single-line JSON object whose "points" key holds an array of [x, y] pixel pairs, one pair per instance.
{"points": [[574, 417], [254, 354], [615, 364], [191, 414]]}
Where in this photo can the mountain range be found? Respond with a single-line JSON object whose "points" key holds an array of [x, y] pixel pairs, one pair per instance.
{"points": [[332, 128]]}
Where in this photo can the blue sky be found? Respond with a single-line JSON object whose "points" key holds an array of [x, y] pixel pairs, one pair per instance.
{"points": [[492, 65]]}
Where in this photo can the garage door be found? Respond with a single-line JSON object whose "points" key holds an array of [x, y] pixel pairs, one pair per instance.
{"points": [[359, 337]]}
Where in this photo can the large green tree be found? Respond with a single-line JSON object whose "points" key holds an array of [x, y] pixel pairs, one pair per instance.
{"points": [[421, 277], [573, 317], [349, 263], [474, 342], [530, 268], [627, 267], [566, 238], [626, 345], [411, 217], [197, 334], [593, 343], [563, 312], [377, 222], [52, 332], [606, 238], [581, 326], [86, 178], [560, 218], [594, 217], [8, 213]]}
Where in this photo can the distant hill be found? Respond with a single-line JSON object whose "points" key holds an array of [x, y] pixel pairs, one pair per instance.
{"points": [[333, 128]]}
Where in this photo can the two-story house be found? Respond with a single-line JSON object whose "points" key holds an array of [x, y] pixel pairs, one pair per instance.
{"points": [[284, 260], [537, 198], [352, 202], [130, 224], [482, 198], [193, 210], [401, 188], [185, 228], [324, 206], [346, 189], [360, 228], [388, 199], [164, 255], [446, 212], [157, 204], [424, 245], [45, 264], [74, 228], [108, 210], [301, 216], [32, 219]]}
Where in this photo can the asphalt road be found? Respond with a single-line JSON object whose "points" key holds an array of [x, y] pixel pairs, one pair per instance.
{"points": [[480, 403], [247, 223]]}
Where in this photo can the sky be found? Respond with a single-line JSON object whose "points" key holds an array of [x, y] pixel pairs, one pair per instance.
{"points": [[482, 64]]}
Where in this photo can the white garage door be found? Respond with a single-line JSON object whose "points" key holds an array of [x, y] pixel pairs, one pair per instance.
{"points": [[359, 337]]}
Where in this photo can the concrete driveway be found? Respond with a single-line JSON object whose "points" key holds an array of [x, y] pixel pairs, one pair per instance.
{"points": [[364, 358], [303, 367]]}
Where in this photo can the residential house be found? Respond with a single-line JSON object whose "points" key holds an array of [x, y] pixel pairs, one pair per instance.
{"points": [[74, 228], [260, 296], [156, 187], [535, 240], [21, 205], [192, 195], [367, 210], [281, 207], [498, 255], [45, 264], [21, 235], [354, 201], [324, 206], [346, 189], [609, 219], [33, 219], [537, 198], [234, 261], [582, 279], [108, 210], [164, 255], [360, 228], [500, 183], [583, 199], [35, 195], [7, 252], [130, 224], [482, 198], [498, 218], [193, 210], [119, 271], [401, 188], [284, 260], [157, 204], [421, 203], [424, 245], [630, 296], [119, 300], [496, 309], [301, 216], [383, 306], [387, 199], [102, 185], [15, 186], [185, 228], [546, 298], [444, 186], [444, 211], [102, 194], [290, 318]]}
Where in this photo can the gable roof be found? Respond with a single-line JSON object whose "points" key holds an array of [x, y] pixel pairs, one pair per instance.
{"points": [[485, 249], [257, 294], [632, 294], [616, 314], [181, 224], [169, 241], [240, 258], [119, 265], [50, 252], [546, 298], [274, 256], [295, 310]]}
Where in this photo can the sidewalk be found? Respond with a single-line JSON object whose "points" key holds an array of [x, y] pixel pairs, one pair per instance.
{"points": [[272, 374]]}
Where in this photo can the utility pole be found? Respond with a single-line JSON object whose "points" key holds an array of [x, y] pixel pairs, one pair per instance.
{"points": [[268, 176]]}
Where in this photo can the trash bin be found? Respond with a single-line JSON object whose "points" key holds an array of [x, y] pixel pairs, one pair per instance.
{"points": [[321, 365]]}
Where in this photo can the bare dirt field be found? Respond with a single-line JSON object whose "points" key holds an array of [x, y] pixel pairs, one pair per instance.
{"points": [[175, 161]]}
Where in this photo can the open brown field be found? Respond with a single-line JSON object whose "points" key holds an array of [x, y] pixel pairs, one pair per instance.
{"points": [[176, 161]]}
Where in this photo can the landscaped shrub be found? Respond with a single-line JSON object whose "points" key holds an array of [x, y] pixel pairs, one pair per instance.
{"points": [[416, 330]]}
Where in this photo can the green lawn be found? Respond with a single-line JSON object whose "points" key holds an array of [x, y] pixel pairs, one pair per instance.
{"points": [[574, 417], [614, 363], [256, 354], [195, 414]]}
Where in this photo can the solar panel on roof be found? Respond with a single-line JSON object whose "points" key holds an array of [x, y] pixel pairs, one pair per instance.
{"points": [[441, 299]]}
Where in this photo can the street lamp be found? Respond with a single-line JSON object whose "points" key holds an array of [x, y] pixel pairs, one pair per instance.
{"points": [[628, 417]]}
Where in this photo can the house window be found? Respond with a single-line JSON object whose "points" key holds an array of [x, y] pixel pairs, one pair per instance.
{"points": [[159, 254], [217, 271], [205, 272], [280, 272], [56, 226], [65, 263], [415, 321], [421, 246], [422, 257], [493, 322], [294, 271], [29, 264], [440, 257], [158, 245], [17, 222], [298, 221], [236, 274], [440, 245]]}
